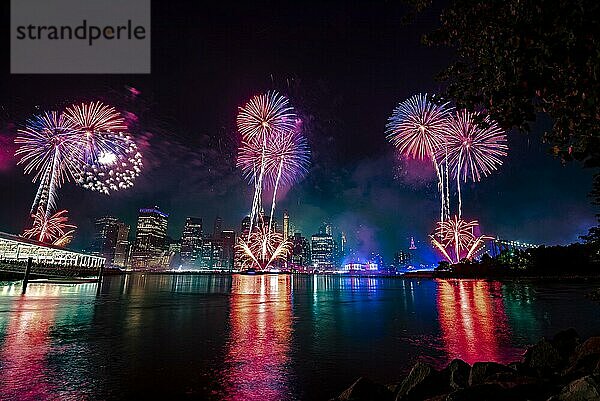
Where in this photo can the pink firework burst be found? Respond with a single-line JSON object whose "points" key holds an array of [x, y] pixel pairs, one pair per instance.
{"points": [[475, 146], [286, 158], [265, 114], [416, 127]]}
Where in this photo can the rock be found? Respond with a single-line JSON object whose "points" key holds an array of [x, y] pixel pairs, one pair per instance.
{"points": [[518, 367], [585, 358], [565, 343], [422, 382], [510, 379], [481, 392], [457, 374], [543, 358], [482, 370], [365, 390], [584, 389]]}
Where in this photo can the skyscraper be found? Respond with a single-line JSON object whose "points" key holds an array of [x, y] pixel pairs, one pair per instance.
{"points": [[322, 251], [286, 225], [228, 239], [122, 248], [105, 238], [191, 242], [301, 256], [150, 248], [218, 227]]}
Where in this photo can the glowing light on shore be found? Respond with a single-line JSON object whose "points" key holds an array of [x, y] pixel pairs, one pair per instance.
{"points": [[262, 248], [456, 240]]}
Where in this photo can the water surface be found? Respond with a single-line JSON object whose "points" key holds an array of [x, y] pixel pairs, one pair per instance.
{"points": [[271, 337]]}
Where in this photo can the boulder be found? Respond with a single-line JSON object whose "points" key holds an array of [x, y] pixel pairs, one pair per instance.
{"points": [[584, 389], [457, 374], [585, 358], [481, 392], [482, 370], [543, 358], [565, 343], [364, 389], [422, 382]]}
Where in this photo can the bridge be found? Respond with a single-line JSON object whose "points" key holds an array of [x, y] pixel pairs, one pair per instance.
{"points": [[17, 253]]}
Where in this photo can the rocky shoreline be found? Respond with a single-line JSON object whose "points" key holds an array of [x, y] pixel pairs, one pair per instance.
{"points": [[564, 368]]}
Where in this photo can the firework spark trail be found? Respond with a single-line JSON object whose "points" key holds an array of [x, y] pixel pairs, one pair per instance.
{"points": [[459, 236], [49, 149], [416, 128], [258, 120], [53, 230], [262, 248], [475, 148]]}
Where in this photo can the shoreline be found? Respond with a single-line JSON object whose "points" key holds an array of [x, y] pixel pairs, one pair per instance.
{"points": [[563, 368]]}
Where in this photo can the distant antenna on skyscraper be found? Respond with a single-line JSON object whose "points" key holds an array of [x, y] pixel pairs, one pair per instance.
{"points": [[412, 246]]}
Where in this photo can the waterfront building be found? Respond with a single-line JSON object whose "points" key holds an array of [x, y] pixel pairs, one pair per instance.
{"points": [[322, 250], [123, 247], [105, 238], [191, 242], [402, 259], [149, 250], [228, 239], [301, 255], [218, 227], [286, 225]]}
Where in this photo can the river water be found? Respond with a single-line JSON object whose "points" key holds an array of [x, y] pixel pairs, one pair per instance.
{"points": [[269, 337]]}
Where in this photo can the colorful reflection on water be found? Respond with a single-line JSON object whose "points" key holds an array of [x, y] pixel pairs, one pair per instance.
{"points": [[473, 322], [266, 337], [257, 361]]}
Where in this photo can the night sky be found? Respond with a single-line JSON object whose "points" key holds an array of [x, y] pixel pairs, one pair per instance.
{"points": [[345, 67]]}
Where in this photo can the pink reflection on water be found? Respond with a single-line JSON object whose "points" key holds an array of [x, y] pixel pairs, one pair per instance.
{"points": [[473, 321], [23, 372], [258, 348]]}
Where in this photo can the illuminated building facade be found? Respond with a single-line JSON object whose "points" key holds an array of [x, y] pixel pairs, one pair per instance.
{"points": [[402, 259], [301, 256], [105, 237], [149, 250], [123, 247], [286, 225], [191, 242], [16, 249], [228, 239], [322, 251]]}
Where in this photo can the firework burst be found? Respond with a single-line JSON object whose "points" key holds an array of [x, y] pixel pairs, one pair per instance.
{"points": [[111, 160], [265, 114], [49, 149], [475, 147], [455, 238], [262, 248], [272, 149], [53, 230], [416, 128], [286, 159]]}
